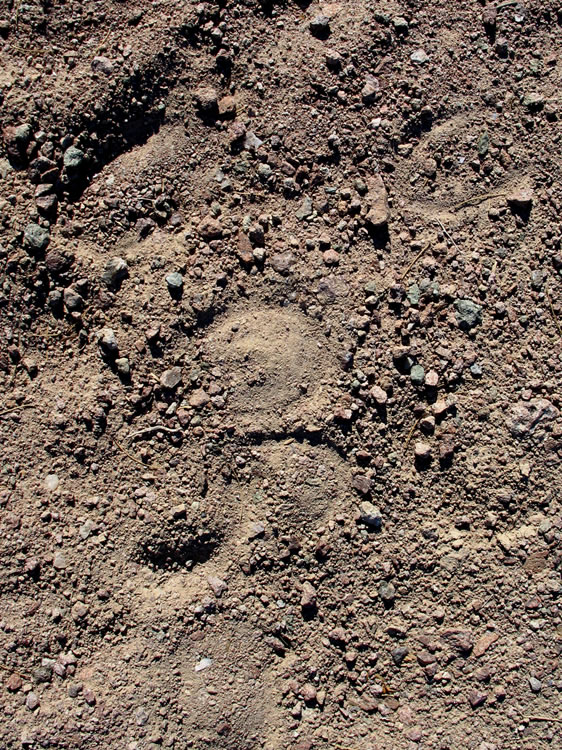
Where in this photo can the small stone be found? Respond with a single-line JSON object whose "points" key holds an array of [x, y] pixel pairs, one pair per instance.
{"points": [[199, 398], [361, 483], [484, 643], [399, 654], [32, 701], [370, 89], [419, 57], [333, 59], [422, 451], [89, 697], [116, 269], [236, 133], [73, 159], [476, 698], [535, 685], [432, 379], [59, 561], [102, 64], [533, 101], [417, 375], [308, 693], [73, 300], [521, 199], [51, 482], [107, 341], [379, 395], [227, 107], [206, 100], [14, 683], [171, 378], [308, 596], [400, 24], [123, 366], [283, 262], [79, 611], [320, 26], [306, 209], [469, 314], [35, 237], [175, 282], [331, 257], [387, 592], [379, 212], [370, 514], [210, 228], [489, 16]]}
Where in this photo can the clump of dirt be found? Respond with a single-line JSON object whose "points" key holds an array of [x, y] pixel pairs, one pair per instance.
{"points": [[280, 354]]}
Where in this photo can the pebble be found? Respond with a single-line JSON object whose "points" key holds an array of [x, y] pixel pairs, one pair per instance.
{"points": [[417, 375], [199, 398], [102, 64], [535, 685], [73, 158], [51, 482], [36, 238], [171, 378], [73, 300], [206, 100], [174, 281], [320, 26], [116, 269], [331, 257], [521, 199], [370, 514], [217, 584], [59, 561], [107, 340], [379, 212], [306, 209], [399, 654], [333, 59], [420, 57], [210, 228], [283, 262], [432, 379], [468, 313], [378, 395], [387, 592], [422, 451], [308, 596], [476, 698], [32, 701], [123, 366]]}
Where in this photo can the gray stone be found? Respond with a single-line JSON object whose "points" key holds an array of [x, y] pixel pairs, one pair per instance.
{"points": [[116, 269], [306, 209], [413, 294], [535, 685], [73, 300], [171, 378], [417, 375], [370, 514], [107, 341], [35, 237], [387, 592], [74, 158], [399, 654], [123, 367], [283, 262], [320, 25], [174, 281], [102, 64], [469, 313], [420, 57]]}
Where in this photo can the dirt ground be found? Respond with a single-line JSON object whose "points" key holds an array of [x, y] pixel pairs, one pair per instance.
{"points": [[281, 367]]}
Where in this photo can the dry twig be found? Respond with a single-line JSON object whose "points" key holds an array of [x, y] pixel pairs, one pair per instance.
{"points": [[413, 263], [477, 199], [552, 312]]}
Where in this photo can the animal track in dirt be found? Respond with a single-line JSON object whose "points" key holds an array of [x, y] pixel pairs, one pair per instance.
{"points": [[278, 365], [177, 545]]}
